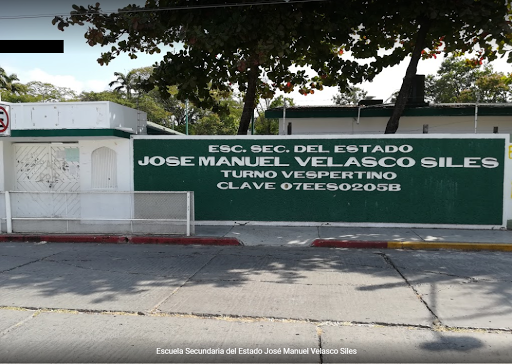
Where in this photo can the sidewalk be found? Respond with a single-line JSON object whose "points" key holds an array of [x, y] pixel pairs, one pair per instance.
{"points": [[324, 236], [359, 237], [101, 303]]}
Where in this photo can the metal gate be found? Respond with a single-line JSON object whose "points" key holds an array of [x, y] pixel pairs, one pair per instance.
{"points": [[48, 167]]}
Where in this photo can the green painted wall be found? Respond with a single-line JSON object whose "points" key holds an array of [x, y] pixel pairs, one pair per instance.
{"points": [[409, 180]]}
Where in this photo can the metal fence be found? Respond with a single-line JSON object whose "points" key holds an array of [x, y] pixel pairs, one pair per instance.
{"points": [[98, 212]]}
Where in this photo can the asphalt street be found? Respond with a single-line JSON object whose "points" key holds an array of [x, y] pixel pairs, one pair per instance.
{"points": [[161, 303]]}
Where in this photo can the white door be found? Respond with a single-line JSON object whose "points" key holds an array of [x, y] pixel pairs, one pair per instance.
{"points": [[47, 168]]}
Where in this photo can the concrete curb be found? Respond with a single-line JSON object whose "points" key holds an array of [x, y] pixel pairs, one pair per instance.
{"points": [[36, 238], [184, 240], [119, 239], [362, 244], [365, 244]]}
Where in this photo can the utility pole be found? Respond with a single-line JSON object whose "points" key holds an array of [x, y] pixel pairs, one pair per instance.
{"points": [[186, 117]]}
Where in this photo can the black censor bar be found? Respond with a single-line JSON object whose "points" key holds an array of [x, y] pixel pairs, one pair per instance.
{"points": [[32, 46]]}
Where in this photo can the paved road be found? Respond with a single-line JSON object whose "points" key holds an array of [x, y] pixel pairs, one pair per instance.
{"points": [[125, 303]]}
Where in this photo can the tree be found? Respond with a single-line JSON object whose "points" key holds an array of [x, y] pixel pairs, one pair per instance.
{"points": [[147, 101], [493, 88], [112, 96], [224, 46], [224, 122], [47, 92], [155, 111], [264, 126], [431, 27], [164, 111], [212, 124], [350, 96], [461, 80], [168, 111], [179, 110], [392, 30], [37, 91], [126, 83], [8, 82], [19, 96]]}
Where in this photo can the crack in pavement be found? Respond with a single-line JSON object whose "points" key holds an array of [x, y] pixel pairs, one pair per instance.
{"points": [[418, 235], [284, 282], [155, 308], [250, 319], [387, 259], [469, 278], [230, 230], [31, 262], [319, 333], [18, 324]]}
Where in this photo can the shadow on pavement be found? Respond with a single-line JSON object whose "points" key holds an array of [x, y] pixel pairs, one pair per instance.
{"points": [[462, 289]]}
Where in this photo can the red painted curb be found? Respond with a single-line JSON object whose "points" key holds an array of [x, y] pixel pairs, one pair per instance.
{"points": [[116, 239], [361, 244], [105, 239], [183, 240], [101, 239]]}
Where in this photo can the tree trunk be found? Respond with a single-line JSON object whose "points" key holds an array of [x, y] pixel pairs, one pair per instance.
{"points": [[405, 90], [249, 102]]}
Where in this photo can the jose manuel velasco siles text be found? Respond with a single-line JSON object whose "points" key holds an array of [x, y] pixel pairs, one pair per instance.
{"points": [[255, 351]]}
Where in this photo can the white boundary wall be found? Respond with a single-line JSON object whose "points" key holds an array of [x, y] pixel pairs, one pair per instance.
{"points": [[408, 125]]}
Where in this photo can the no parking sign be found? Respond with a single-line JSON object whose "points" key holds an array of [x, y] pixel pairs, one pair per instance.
{"points": [[4, 122]]}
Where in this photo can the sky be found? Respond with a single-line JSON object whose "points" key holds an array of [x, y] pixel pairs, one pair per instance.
{"points": [[78, 69]]}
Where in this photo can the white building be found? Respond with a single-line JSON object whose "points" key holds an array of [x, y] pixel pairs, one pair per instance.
{"points": [[372, 119], [68, 166], [75, 146]]}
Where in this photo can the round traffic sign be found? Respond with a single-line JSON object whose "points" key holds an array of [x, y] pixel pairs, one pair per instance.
{"points": [[4, 120]]}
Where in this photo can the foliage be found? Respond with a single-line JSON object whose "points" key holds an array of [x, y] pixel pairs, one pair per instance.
{"points": [[111, 96], [350, 96], [421, 31], [492, 88], [20, 95], [460, 80], [264, 126], [212, 124], [226, 47], [169, 111], [131, 81], [10, 96], [225, 123], [178, 109], [48, 92], [36, 91], [155, 111], [145, 102], [9, 84], [126, 83]]}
